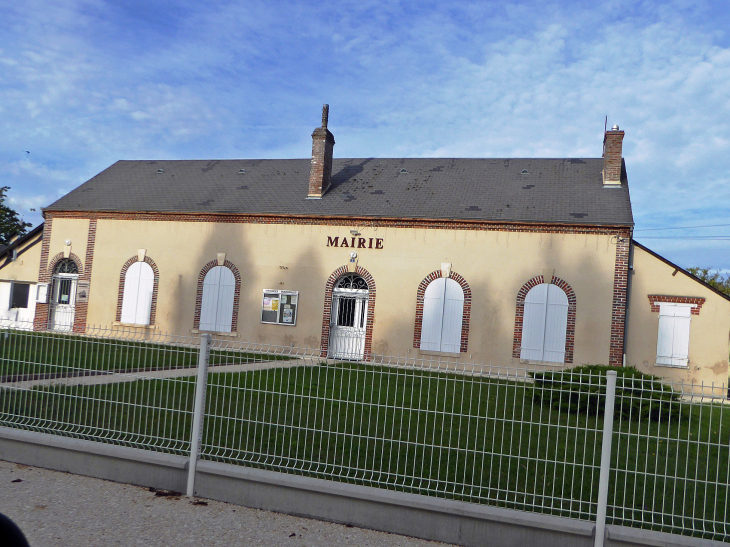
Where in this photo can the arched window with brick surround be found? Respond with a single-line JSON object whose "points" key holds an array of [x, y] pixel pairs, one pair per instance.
{"points": [[139, 282], [219, 288], [545, 321], [443, 307], [138, 285]]}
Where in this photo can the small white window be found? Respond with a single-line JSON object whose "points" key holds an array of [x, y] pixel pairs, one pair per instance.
{"points": [[443, 312], [544, 324], [672, 346], [139, 282], [216, 309]]}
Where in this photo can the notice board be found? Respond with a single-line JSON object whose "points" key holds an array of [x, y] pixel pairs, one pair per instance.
{"points": [[279, 307]]}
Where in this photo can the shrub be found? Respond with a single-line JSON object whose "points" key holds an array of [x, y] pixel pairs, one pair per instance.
{"points": [[639, 396]]}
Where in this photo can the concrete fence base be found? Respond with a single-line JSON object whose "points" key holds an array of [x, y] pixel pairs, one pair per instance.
{"points": [[397, 512]]}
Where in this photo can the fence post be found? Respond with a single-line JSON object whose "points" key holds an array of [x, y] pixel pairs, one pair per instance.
{"points": [[605, 458], [196, 433]]}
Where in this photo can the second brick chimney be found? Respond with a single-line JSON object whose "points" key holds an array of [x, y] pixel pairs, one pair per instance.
{"points": [[321, 171], [612, 157]]}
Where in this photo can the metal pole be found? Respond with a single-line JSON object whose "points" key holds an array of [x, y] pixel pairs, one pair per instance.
{"points": [[197, 430], [605, 458]]}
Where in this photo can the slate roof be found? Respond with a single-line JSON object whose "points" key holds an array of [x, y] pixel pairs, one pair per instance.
{"points": [[563, 191]]}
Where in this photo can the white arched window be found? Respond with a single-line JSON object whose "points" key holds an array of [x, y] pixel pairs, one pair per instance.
{"points": [[216, 308], [139, 282], [544, 324], [443, 311]]}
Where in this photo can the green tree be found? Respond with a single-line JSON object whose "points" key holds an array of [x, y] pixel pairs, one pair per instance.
{"points": [[715, 279], [10, 224]]}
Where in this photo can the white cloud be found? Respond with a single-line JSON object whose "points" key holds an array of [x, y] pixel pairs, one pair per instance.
{"points": [[86, 83]]}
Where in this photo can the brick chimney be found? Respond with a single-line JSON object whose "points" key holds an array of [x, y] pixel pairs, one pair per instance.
{"points": [[321, 171], [612, 159]]}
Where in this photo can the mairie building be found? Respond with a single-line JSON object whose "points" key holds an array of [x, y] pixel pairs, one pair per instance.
{"points": [[506, 261]]}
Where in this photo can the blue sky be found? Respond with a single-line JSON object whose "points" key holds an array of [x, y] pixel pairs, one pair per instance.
{"points": [[86, 83]]}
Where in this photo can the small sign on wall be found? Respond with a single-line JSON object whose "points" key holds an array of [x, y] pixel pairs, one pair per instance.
{"points": [[82, 291], [279, 307]]}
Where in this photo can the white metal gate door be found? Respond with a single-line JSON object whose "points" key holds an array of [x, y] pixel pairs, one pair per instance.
{"points": [[348, 319], [63, 295], [63, 303]]}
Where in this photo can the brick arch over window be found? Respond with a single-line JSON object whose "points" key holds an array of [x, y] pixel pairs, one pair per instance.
{"points": [[326, 314], [520, 314], [419, 307], [59, 257], [120, 294], [236, 295]]}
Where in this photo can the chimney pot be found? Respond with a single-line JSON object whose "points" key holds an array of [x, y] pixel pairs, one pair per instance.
{"points": [[320, 172], [612, 157]]}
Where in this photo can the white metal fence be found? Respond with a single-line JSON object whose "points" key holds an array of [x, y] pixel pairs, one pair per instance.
{"points": [[531, 439]]}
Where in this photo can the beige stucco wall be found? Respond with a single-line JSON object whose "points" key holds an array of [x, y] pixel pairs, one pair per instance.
{"points": [[274, 256], [709, 331], [25, 267], [74, 229]]}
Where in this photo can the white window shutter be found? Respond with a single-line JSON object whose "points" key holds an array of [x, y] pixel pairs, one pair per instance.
{"points": [[216, 308], [452, 317], [665, 339], [209, 303], [226, 294], [556, 325], [533, 323], [433, 311], [139, 283], [673, 336], [131, 292], [680, 349], [144, 294]]}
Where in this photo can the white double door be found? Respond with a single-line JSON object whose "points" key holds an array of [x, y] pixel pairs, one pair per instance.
{"points": [[348, 324], [63, 303]]}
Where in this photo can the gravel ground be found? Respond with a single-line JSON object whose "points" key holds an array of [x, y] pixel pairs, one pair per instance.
{"points": [[58, 509]]}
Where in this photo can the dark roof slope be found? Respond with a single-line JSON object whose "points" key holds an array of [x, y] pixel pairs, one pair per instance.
{"points": [[565, 191]]}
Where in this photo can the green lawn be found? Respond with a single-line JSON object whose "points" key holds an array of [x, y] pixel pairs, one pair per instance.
{"points": [[27, 355], [475, 439]]}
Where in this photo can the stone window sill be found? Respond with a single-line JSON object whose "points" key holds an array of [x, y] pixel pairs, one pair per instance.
{"points": [[685, 366], [439, 353], [215, 333], [542, 363], [133, 325]]}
